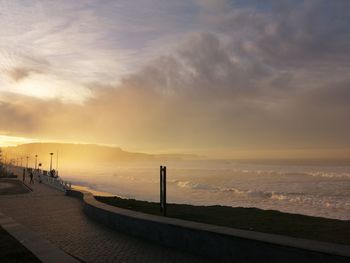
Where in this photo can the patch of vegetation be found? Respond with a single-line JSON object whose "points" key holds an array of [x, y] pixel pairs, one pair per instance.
{"points": [[268, 221]]}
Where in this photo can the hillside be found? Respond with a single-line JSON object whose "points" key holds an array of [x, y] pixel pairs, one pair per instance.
{"points": [[80, 153]]}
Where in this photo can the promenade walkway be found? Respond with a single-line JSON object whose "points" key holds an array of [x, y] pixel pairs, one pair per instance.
{"points": [[60, 219]]}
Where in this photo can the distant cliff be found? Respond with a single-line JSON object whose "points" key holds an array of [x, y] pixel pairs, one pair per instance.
{"points": [[81, 153]]}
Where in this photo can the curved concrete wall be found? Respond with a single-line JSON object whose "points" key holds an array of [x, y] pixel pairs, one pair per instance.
{"points": [[220, 243]]}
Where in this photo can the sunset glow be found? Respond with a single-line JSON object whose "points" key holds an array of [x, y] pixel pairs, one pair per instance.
{"points": [[13, 140], [174, 131], [207, 77]]}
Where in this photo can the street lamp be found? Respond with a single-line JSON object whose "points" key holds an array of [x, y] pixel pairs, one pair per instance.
{"points": [[51, 162], [36, 161], [27, 161]]}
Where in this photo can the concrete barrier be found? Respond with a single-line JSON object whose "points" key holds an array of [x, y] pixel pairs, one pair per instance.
{"points": [[220, 243]]}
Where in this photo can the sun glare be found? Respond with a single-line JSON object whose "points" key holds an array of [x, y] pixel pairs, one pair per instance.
{"points": [[49, 87], [6, 141]]}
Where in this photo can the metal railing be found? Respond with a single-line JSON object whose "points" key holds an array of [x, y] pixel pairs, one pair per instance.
{"points": [[53, 181], [42, 176]]}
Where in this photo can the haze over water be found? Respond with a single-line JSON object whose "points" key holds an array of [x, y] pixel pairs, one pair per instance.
{"points": [[311, 190]]}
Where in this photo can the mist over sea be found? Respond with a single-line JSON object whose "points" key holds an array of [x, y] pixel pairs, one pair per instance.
{"points": [[316, 190]]}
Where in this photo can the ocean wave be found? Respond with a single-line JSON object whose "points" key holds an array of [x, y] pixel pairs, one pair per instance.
{"points": [[200, 186], [250, 193], [330, 174], [307, 173], [339, 175], [290, 197], [326, 174], [192, 185]]}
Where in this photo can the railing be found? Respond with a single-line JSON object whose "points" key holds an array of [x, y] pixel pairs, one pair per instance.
{"points": [[42, 176], [53, 181]]}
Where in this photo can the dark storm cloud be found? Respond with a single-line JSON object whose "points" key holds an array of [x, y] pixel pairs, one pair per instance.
{"points": [[302, 34]]}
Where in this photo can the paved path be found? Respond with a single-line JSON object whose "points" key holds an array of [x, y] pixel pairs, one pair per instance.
{"points": [[61, 220], [12, 186]]}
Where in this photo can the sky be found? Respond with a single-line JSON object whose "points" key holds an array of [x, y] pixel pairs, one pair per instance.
{"points": [[202, 76]]}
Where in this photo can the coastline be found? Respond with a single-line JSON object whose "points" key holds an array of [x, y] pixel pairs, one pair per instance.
{"points": [[254, 219]]}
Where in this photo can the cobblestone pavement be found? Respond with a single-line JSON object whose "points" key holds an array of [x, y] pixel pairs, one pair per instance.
{"points": [[60, 219]]}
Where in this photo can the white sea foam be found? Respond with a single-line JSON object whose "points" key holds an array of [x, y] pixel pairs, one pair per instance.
{"points": [[192, 185], [330, 174]]}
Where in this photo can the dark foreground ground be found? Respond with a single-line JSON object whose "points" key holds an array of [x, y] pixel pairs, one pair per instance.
{"points": [[12, 187], [268, 221], [12, 250]]}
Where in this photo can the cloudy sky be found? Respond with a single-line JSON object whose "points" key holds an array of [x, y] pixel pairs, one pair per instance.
{"points": [[206, 76]]}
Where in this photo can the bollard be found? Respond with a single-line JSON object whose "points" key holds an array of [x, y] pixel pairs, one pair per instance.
{"points": [[163, 189]]}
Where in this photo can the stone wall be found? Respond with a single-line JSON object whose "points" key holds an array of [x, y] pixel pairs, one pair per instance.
{"points": [[219, 243]]}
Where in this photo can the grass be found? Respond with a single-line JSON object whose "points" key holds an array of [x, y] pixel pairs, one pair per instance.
{"points": [[13, 251], [268, 221]]}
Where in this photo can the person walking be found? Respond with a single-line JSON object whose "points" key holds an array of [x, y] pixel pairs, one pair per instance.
{"points": [[24, 174], [31, 178]]}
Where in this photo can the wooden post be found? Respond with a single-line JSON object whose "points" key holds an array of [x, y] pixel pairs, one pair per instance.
{"points": [[161, 188], [164, 191], [162, 177]]}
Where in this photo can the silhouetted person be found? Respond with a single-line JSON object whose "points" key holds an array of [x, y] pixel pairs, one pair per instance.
{"points": [[53, 173], [24, 174], [31, 178]]}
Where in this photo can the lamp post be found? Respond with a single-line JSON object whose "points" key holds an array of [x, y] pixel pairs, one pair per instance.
{"points": [[27, 162], [57, 163], [36, 161], [6, 162], [51, 162]]}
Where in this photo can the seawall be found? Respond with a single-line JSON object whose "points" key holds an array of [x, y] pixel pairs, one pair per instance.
{"points": [[219, 243]]}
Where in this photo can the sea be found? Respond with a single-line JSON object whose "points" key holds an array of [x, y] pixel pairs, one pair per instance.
{"points": [[315, 190]]}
